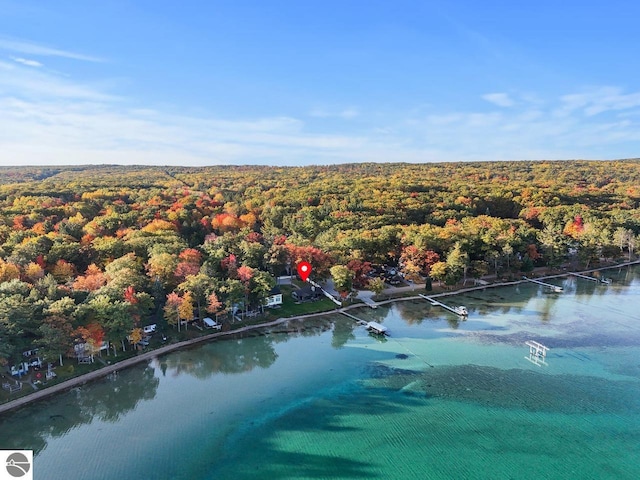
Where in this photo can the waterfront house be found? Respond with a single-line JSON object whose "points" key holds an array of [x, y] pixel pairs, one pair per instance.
{"points": [[274, 299], [308, 293]]}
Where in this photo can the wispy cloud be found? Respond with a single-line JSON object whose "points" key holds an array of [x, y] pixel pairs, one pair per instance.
{"points": [[16, 80], [47, 118], [598, 100], [567, 127], [26, 61], [29, 48], [500, 99], [347, 113]]}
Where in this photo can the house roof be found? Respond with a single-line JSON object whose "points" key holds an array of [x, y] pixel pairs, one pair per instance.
{"points": [[307, 291]]}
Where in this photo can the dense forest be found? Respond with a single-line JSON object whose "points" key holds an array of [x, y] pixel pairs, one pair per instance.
{"points": [[90, 253]]}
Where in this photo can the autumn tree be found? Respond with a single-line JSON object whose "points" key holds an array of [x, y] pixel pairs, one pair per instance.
{"points": [[92, 280], [199, 286], [63, 271], [439, 271], [376, 285], [55, 338], [135, 336], [457, 262], [360, 271], [214, 305], [185, 310], [171, 309], [8, 271], [34, 272], [342, 279], [162, 268], [189, 262]]}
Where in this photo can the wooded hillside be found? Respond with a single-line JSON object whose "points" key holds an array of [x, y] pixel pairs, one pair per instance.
{"points": [[88, 253]]}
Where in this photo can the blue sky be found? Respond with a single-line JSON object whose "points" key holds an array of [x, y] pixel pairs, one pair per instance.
{"points": [[317, 82]]}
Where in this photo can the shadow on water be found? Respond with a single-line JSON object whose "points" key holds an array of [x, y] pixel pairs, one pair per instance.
{"points": [[110, 398], [227, 356], [107, 400], [263, 454], [250, 350]]}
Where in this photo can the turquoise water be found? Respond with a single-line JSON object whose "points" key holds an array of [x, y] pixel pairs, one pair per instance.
{"points": [[440, 398]]}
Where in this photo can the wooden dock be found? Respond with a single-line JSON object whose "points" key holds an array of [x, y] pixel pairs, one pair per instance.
{"points": [[369, 302], [606, 281], [554, 288], [373, 327], [460, 311], [586, 277], [353, 317]]}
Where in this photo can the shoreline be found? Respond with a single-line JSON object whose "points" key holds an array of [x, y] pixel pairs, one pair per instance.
{"points": [[106, 370]]}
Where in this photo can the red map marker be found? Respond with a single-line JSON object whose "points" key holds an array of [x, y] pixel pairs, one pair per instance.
{"points": [[304, 269]]}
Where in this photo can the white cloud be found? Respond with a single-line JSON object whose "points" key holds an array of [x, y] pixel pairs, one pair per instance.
{"points": [[29, 48], [598, 100], [537, 130], [32, 83], [347, 113], [49, 119], [499, 99], [26, 61]]}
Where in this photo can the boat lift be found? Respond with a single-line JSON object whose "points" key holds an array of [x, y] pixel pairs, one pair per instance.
{"points": [[372, 327], [537, 353], [377, 328]]}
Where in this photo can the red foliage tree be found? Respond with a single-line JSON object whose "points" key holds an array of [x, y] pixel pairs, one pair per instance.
{"points": [[190, 255], [360, 270], [319, 260], [184, 269], [92, 279], [245, 274], [130, 295]]}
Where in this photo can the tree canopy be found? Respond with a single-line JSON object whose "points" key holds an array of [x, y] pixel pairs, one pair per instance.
{"points": [[89, 252]]}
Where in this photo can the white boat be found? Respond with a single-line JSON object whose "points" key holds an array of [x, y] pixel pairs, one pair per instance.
{"points": [[462, 310]]}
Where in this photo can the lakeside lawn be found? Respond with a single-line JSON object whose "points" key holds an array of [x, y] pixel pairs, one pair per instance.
{"points": [[289, 308]]}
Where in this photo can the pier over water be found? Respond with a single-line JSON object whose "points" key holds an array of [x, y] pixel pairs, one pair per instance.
{"points": [[553, 288], [461, 310]]}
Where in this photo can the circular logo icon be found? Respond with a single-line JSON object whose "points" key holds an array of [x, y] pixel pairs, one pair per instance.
{"points": [[17, 465]]}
